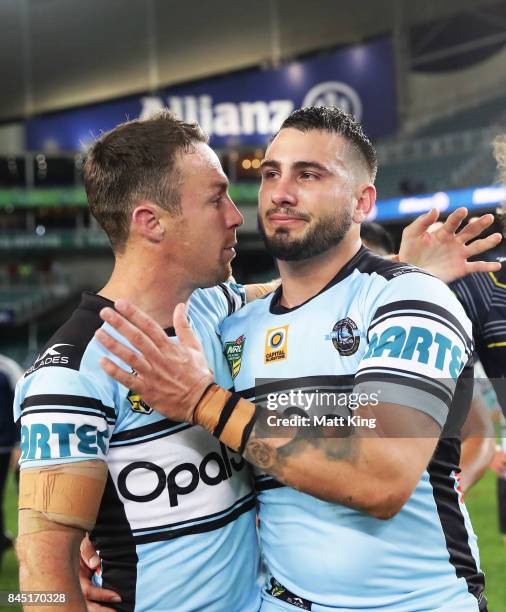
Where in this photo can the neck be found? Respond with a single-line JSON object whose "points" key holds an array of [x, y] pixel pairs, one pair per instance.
{"points": [[301, 280], [139, 281]]}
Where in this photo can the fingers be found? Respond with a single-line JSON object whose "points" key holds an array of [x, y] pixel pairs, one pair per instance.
{"points": [[89, 554], [484, 244], [128, 380], [454, 221], [98, 594], [422, 223], [141, 321], [183, 330], [474, 229], [483, 266], [135, 335], [135, 360]]}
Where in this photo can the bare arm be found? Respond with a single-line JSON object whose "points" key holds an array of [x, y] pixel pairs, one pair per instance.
{"points": [[49, 561], [478, 445], [366, 472], [258, 290]]}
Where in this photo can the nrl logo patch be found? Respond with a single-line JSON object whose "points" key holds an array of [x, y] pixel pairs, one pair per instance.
{"points": [[233, 353], [137, 404]]}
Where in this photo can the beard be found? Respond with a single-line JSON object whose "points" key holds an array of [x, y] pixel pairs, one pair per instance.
{"points": [[325, 233]]}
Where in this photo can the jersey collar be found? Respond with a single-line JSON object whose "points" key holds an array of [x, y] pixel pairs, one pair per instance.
{"points": [[275, 306]]}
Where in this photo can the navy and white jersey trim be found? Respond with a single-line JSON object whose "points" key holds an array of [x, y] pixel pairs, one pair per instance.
{"points": [[160, 429], [74, 403], [304, 383], [419, 308], [201, 525]]}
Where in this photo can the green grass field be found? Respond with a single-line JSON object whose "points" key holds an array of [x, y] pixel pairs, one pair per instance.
{"points": [[481, 502]]}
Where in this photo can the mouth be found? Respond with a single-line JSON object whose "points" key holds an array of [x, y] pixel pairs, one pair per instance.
{"points": [[280, 219], [231, 249]]}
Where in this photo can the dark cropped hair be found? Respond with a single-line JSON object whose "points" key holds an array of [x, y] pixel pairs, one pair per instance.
{"points": [[333, 119], [135, 161]]}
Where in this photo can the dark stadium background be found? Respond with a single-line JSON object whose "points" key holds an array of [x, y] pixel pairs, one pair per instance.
{"points": [[435, 100]]}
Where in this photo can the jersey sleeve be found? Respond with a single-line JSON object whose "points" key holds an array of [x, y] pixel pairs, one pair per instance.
{"points": [[65, 416], [217, 303], [418, 342]]}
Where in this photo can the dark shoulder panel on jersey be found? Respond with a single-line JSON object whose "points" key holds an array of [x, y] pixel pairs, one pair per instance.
{"points": [[367, 262], [66, 347], [364, 261]]}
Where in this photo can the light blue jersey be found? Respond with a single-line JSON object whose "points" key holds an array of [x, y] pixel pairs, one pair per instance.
{"points": [[176, 526], [377, 325]]}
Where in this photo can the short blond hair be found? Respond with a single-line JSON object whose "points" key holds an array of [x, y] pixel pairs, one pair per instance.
{"points": [[500, 156]]}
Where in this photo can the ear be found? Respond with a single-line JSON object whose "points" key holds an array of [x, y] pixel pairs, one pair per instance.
{"points": [[366, 198], [146, 221]]}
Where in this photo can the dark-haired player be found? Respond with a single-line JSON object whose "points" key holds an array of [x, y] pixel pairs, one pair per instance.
{"points": [[370, 519]]}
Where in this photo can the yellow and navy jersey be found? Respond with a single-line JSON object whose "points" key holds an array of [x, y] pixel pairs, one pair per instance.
{"points": [[377, 327], [483, 296], [176, 525]]}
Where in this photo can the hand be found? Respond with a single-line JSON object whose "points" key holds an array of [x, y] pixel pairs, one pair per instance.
{"points": [[88, 562], [444, 252], [499, 463], [170, 376]]}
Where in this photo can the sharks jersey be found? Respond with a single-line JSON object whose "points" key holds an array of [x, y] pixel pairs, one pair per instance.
{"points": [[176, 525], [377, 327]]}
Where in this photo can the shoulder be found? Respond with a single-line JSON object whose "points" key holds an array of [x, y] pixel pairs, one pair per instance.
{"points": [[68, 364], [219, 301]]}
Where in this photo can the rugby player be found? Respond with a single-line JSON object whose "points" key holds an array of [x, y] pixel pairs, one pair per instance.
{"points": [[384, 526], [169, 507]]}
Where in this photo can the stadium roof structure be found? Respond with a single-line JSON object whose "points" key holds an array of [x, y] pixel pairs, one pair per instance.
{"points": [[57, 54]]}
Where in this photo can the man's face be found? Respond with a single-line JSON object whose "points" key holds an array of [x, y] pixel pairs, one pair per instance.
{"points": [[306, 199], [204, 235]]}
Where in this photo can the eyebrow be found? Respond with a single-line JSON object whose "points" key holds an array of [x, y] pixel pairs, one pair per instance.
{"points": [[220, 185], [298, 165]]}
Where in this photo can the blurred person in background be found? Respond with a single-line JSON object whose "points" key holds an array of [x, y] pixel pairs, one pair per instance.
{"points": [[484, 299], [376, 238], [10, 373]]}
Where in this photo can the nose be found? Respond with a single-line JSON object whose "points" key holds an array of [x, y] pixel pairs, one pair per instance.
{"points": [[234, 217], [283, 195]]}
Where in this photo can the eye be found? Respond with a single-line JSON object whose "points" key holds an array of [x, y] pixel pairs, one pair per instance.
{"points": [[309, 176], [269, 174], [216, 201]]}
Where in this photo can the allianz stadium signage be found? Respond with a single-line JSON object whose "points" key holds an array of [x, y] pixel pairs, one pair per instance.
{"points": [[246, 107]]}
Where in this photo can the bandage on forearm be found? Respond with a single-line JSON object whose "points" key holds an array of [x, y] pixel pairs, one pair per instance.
{"points": [[67, 495], [227, 416]]}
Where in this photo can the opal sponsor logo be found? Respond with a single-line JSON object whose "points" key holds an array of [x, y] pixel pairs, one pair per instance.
{"points": [[181, 480]]}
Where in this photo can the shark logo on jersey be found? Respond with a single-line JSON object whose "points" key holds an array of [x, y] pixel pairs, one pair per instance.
{"points": [[50, 357], [276, 344], [344, 337], [233, 353]]}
